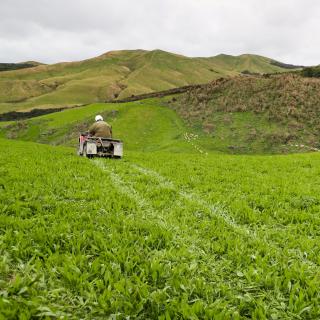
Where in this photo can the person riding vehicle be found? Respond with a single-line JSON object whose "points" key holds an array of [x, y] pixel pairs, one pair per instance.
{"points": [[100, 128]]}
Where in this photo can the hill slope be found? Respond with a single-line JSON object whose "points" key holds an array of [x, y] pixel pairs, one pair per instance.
{"points": [[247, 114], [255, 114], [144, 126], [118, 74]]}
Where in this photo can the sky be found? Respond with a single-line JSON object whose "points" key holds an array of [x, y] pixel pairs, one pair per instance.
{"points": [[50, 31]]}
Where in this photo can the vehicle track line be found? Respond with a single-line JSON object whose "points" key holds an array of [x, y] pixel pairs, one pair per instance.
{"points": [[216, 209], [195, 246], [219, 211], [130, 192], [198, 245]]}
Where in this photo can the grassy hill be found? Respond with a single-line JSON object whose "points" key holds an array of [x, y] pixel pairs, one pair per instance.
{"points": [[118, 74], [255, 114], [144, 126], [244, 115]]}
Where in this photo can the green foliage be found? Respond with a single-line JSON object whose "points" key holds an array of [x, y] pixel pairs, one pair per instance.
{"points": [[312, 72], [16, 66], [157, 236]]}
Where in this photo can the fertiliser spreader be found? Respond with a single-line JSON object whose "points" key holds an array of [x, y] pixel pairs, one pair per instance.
{"points": [[99, 147]]}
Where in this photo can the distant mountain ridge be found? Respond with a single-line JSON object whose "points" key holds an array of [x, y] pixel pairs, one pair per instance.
{"points": [[17, 66], [119, 74]]}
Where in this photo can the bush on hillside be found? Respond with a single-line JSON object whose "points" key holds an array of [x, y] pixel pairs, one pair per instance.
{"points": [[312, 72], [14, 66]]}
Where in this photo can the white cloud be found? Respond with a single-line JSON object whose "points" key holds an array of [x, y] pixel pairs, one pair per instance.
{"points": [[61, 30]]}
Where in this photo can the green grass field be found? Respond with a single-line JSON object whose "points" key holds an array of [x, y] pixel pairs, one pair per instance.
{"points": [[174, 230], [157, 235]]}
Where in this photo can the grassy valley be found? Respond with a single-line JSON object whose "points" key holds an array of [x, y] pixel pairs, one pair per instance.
{"points": [[242, 115], [144, 126], [181, 227]]}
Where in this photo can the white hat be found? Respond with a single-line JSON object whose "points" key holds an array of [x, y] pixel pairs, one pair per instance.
{"points": [[98, 118]]}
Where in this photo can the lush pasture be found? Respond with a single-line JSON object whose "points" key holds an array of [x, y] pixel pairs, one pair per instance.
{"points": [[158, 235], [144, 126]]}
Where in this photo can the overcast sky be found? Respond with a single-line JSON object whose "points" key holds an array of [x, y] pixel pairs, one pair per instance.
{"points": [[66, 30]]}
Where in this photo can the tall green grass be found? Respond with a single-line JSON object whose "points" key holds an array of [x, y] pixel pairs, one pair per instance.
{"points": [[157, 236]]}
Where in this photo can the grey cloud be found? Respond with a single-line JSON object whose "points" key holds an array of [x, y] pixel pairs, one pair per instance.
{"points": [[52, 31]]}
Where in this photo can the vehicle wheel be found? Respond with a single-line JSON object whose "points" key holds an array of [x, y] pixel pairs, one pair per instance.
{"points": [[84, 151]]}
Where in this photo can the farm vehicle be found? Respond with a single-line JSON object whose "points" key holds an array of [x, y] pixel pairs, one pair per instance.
{"points": [[91, 147]]}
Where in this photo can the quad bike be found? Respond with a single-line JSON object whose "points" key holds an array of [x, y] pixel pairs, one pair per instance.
{"points": [[91, 147]]}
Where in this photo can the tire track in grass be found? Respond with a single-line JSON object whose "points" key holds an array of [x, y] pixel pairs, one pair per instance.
{"points": [[222, 268], [197, 246], [149, 212], [131, 193], [146, 206], [147, 209], [196, 197], [219, 210]]}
